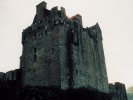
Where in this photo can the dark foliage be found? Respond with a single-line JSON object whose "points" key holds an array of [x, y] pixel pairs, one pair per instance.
{"points": [[43, 93]]}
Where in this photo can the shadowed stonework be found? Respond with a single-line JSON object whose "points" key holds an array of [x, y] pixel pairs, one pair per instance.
{"points": [[118, 91], [59, 52], [60, 60]]}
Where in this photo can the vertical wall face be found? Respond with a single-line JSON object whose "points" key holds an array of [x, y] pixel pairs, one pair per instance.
{"points": [[41, 58], [40, 61], [63, 57], [44, 56], [89, 63]]}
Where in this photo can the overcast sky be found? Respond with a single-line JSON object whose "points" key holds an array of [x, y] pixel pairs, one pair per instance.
{"points": [[115, 18]]}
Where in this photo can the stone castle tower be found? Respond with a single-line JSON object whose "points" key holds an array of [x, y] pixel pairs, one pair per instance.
{"points": [[59, 52]]}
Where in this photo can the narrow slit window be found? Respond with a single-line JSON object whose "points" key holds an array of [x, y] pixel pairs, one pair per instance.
{"points": [[34, 37], [52, 50], [34, 50], [34, 58], [46, 33], [35, 54]]}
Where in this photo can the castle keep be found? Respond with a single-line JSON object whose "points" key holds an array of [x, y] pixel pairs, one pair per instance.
{"points": [[59, 53]]}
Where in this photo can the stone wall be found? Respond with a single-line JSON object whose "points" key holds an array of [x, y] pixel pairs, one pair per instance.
{"points": [[118, 91], [89, 62], [10, 79], [40, 60]]}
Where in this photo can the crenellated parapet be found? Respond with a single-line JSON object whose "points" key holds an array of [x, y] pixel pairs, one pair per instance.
{"points": [[43, 13]]}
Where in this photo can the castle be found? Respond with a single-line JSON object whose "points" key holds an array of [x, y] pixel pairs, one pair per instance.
{"points": [[58, 52]]}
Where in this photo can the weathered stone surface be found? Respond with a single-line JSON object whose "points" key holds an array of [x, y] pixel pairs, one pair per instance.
{"points": [[118, 91], [58, 51]]}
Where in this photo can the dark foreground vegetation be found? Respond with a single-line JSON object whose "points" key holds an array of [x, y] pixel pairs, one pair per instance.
{"points": [[42, 93]]}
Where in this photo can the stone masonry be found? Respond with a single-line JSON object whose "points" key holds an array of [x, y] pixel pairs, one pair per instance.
{"points": [[59, 52], [118, 91]]}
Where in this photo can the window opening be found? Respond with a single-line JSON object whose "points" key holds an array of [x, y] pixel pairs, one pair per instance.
{"points": [[34, 37], [35, 54], [52, 50]]}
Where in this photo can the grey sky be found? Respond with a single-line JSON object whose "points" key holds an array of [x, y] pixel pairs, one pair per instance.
{"points": [[114, 16]]}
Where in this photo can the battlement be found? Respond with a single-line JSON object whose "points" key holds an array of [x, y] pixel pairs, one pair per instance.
{"points": [[43, 13], [55, 13]]}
